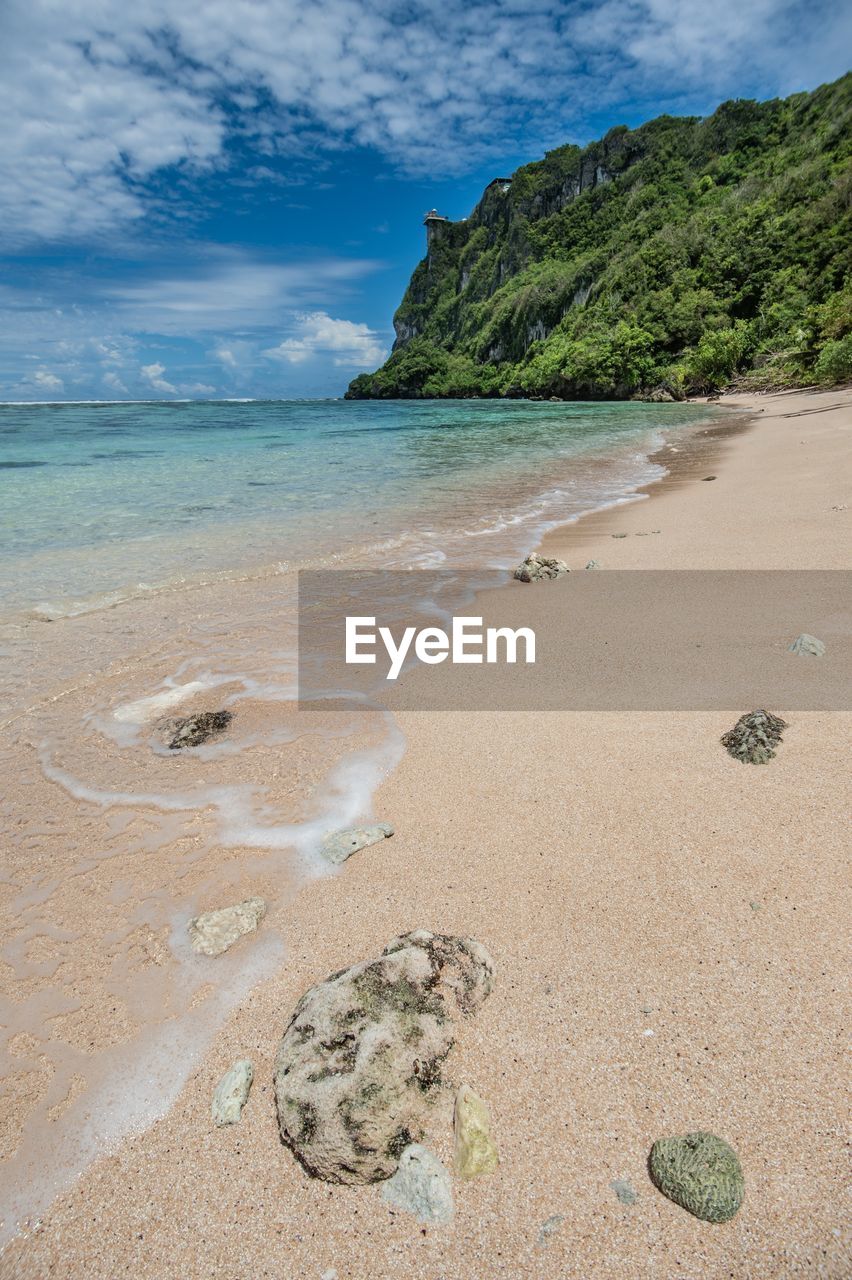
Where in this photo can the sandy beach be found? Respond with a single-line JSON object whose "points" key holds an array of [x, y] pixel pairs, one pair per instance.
{"points": [[667, 925]]}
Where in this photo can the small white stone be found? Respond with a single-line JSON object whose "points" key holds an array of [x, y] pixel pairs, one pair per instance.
{"points": [[231, 1093], [421, 1185]]}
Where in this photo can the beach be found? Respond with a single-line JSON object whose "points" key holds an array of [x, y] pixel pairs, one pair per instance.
{"points": [[667, 928]]}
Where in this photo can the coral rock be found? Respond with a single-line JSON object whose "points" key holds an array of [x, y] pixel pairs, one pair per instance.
{"points": [[231, 1093], [343, 844], [754, 737], [360, 1061], [476, 1150], [538, 568], [215, 931], [421, 1185], [808, 645], [191, 731], [701, 1173]]}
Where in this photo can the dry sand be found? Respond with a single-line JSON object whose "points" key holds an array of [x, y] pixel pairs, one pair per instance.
{"points": [[668, 930]]}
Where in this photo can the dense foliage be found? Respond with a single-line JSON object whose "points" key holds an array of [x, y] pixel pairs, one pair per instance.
{"points": [[669, 259]]}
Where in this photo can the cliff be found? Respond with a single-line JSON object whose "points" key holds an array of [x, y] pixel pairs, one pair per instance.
{"points": [[666, 259]]}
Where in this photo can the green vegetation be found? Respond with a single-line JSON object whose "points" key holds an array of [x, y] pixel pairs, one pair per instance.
{"points": [[667, 260]]}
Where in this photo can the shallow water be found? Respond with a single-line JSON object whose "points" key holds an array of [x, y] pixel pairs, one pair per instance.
{"points": [[98, 502]]}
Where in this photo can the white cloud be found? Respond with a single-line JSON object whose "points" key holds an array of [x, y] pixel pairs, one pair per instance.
{"points": [[225, 356], [98, 95], [230, 291], [153, 375], [114, 383], [46, 381], [352, 346]]}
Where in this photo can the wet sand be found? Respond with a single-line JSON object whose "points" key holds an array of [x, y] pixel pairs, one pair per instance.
{"points": [[668, 928]]}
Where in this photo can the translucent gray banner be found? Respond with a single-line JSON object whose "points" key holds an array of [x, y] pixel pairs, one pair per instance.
{"points": [[610, 640]]}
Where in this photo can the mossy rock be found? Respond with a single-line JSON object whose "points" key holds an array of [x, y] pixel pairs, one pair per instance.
{"points": [[359, 1065], [701, 1173]]}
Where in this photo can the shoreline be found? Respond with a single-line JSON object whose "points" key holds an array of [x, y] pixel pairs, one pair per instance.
{"points": [[561, 872]]}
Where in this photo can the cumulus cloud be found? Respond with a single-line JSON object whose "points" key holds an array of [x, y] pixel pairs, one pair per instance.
{"points": [[351, 346], [114, 383], [225, 356], [153, 375], [98, 97], [46, 381]]}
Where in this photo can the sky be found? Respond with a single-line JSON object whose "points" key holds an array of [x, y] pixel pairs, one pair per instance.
{"points": [[224, 198]]}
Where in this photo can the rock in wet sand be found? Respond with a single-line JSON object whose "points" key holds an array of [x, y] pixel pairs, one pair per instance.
{"points": [[538, 568], [215, 931], [343, 844], [191, 731]]}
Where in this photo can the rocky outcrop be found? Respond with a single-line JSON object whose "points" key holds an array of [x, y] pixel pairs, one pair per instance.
{"points": [[754, 737], [476, 1150], [231, 1093], [343, 844], [215, 931], [701, 1173], [360, 1061], [191, 731], [421, 1185], [538, 568]]}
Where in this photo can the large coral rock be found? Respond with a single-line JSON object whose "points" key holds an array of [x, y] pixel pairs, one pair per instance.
{"points": [[754, 737], [701, 1173], [360, 1061], [538, 568]]}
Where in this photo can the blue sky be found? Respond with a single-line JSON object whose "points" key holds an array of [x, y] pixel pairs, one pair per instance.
{"points": [[224, 197]]}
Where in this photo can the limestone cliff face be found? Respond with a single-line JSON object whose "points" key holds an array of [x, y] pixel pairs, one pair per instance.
{"points": [[461, 263], [602, 270]]}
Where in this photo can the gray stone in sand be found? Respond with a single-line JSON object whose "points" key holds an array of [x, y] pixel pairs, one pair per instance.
{"points": [[549, 1227], [215, 931], [618, 535], [538, 568], [231, 1093], [808, 645], [421, 1185], [624, 1191], [343, 844], [593, 564], [701, 1173], [754, 737], [360, 1060]]}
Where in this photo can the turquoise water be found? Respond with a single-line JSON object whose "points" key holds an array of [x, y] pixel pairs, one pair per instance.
{"points": [[97, 500]]}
